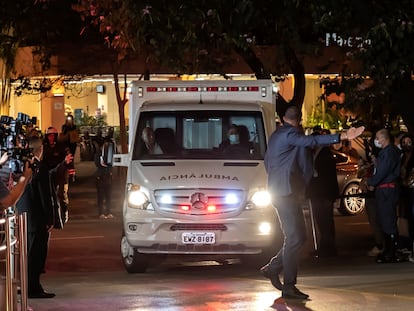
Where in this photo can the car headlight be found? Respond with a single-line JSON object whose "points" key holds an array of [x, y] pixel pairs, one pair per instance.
{"points": [[259, 199], [137, 197]]}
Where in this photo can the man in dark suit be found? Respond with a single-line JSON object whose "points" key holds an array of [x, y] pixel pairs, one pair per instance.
{"points": [[322, 191], [36, 201], [288, 162]]}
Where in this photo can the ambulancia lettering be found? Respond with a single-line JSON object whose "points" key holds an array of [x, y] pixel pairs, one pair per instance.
{"points": [[198, 176]]}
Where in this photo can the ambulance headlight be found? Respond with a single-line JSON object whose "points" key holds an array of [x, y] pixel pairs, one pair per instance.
{"points": [[265, 228], [137, 197], [259, 199], [231, 198]]}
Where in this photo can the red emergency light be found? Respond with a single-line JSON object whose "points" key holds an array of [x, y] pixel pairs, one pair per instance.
{"points": [[207, 89], [185, 208], [211, 208]]}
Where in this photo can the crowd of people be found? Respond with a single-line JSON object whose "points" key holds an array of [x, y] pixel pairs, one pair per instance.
{"points": [[388, 181], [298, 166], [302, 166], [38, 188]]}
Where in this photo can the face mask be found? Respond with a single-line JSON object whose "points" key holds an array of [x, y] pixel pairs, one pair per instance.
{"points": [[377, 143], [234, 139]]}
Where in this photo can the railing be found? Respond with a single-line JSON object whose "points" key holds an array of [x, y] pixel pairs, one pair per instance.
{"points": [[13, 241]]}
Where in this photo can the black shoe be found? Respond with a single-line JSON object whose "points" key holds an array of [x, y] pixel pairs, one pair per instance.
{"points": [[41, 295], [291, 292], [273, 277]]}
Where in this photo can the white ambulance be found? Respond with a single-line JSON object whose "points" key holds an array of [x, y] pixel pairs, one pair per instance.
{"points": [[199, 194]]}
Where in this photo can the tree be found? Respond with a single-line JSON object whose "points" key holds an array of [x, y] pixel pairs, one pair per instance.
{"points": [[203, 36], [39, 24], [382, 42]]}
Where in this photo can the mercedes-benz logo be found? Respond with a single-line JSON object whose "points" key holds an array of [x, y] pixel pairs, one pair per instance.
{"points": [[199, 200]]}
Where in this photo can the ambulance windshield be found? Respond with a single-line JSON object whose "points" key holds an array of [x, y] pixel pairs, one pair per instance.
{"points": [[237, 135]]}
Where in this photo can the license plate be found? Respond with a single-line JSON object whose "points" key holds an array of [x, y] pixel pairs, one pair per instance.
{"points": [[198, 238]]}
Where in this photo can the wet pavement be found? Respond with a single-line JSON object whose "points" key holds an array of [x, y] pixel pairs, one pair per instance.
{"points": [[347, 282]]}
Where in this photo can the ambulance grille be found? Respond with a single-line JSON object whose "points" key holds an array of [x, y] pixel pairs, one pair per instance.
{"points": [[198, 227], [199, 201]]}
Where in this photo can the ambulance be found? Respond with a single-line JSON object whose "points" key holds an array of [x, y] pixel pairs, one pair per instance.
{"points": [[201, 195]]}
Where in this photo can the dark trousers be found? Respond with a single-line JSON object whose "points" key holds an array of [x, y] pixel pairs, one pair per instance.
{"points": [[324, 218], [387, 200], [104, 193], [292, 222], [37, 246], [372, 214]]}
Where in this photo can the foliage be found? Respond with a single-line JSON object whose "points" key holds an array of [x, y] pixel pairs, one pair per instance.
{"points": [[199, 36], [326, 116], [203, 36], [384, 51], [88, 120], [25, 85]]}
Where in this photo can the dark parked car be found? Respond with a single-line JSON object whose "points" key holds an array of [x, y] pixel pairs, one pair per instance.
{"points": [[351, 202]]}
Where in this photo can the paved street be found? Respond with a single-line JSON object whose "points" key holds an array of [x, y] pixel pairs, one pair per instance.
{"points": [[85, 271]]}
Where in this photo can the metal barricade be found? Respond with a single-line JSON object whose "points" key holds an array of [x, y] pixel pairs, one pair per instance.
{"points": [[13, 241]]}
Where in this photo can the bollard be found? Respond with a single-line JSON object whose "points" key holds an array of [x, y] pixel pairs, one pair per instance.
{"points": [[14, 246], [23, 260], [10, 242]]}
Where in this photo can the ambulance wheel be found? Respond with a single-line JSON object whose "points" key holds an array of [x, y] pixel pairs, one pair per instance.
{"points": [[134, 262]]}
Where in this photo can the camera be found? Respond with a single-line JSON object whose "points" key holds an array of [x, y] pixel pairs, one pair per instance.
{"points": [[13, 140]]}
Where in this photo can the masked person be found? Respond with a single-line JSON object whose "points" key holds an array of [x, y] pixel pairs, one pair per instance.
{"points": [[232, 145], [384, 181]]}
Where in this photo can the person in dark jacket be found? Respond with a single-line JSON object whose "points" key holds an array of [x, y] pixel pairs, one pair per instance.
{"points": [[289, 166], [36, 201], [322, 191], [103, 162], [385, 181], [59, 161], [406, 202]]}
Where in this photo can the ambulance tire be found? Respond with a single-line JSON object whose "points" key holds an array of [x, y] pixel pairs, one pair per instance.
{"points": [[134, 262]]}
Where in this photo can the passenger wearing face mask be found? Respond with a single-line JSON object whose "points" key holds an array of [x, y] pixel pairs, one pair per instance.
{"points": [[385, 182], [232, 146], [406, 203]]}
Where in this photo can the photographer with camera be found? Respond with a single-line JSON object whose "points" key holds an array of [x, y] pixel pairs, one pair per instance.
{"points": [[36, 201], [58, 160], [9, 196], [70, 138]]}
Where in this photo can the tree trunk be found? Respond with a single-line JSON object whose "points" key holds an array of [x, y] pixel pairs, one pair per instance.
{"points": [[121, 110], [298, 71], [254, 63]]}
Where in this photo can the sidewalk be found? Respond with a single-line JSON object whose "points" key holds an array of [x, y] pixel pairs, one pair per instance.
{"points": [[83, 192]]}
